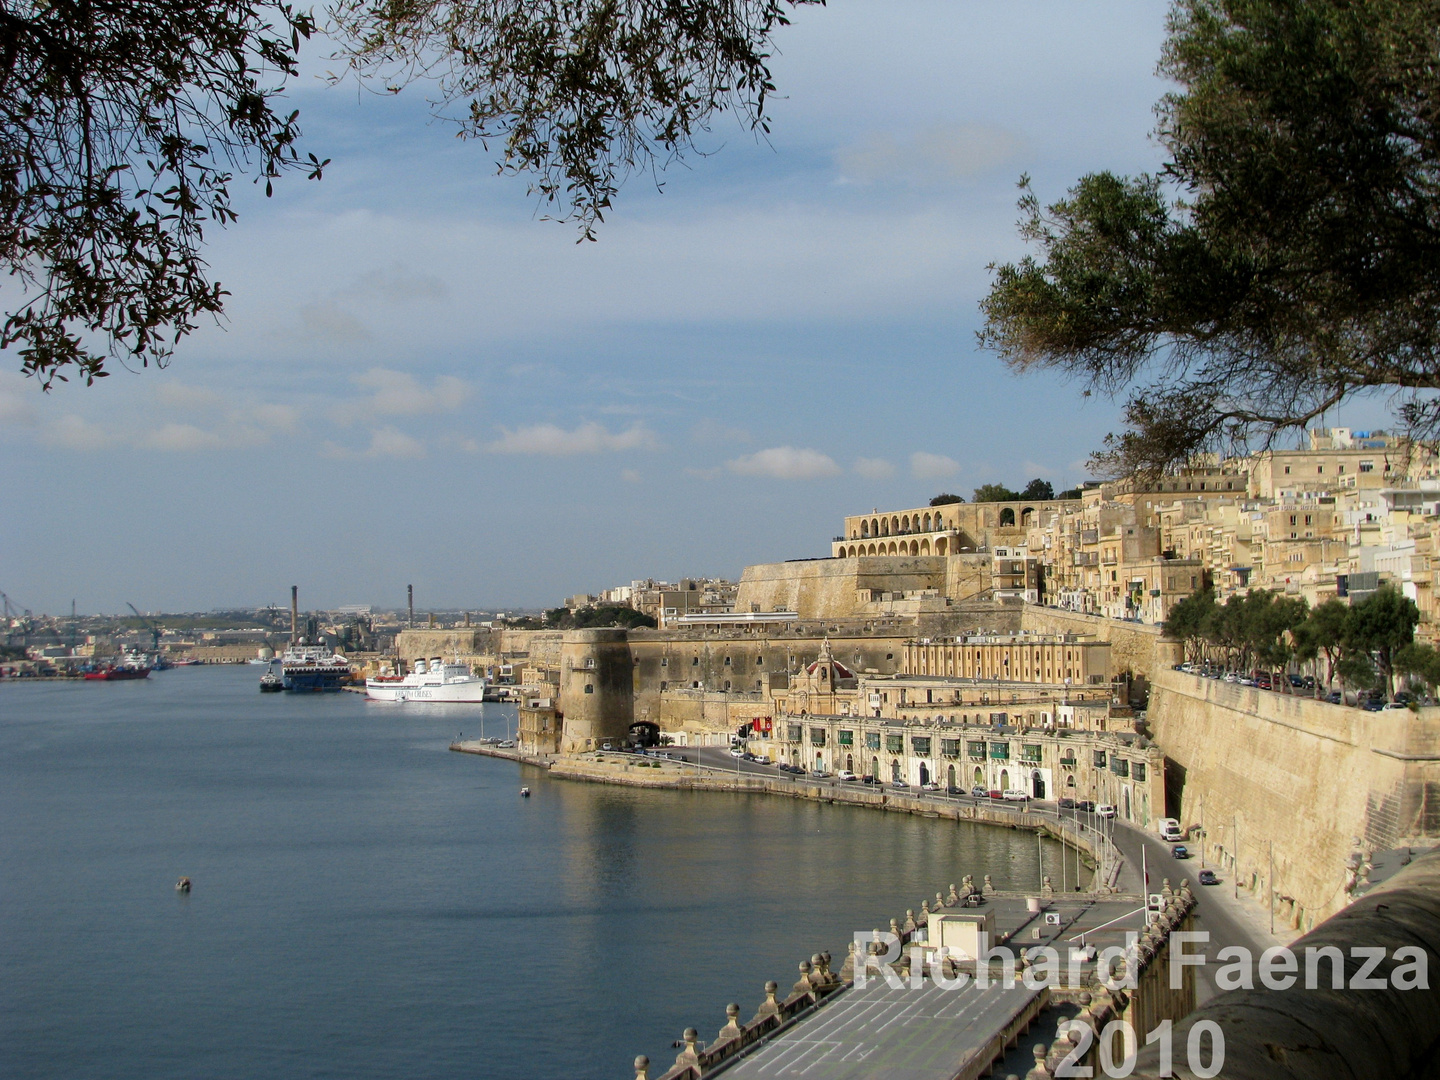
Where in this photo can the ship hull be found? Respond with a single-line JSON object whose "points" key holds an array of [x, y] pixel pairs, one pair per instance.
{"points": [[467, 692], [118, 674], [315, 681]]}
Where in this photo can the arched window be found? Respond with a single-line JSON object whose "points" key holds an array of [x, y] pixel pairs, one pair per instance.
{"points": [[926, 521], [925, 547], [895, 524], [864, 528], [1025, 515], [940, 546], [874, 527], [905, 523], [914, 547], [1007, 516], [885, 527]]}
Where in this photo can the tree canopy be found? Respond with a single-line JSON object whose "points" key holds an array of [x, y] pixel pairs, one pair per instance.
{"points": [[1036, 489], [124, 122], [1284, 259], [946, 499]]}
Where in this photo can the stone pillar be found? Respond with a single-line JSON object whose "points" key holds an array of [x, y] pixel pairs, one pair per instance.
{"points": [[597, 688]]}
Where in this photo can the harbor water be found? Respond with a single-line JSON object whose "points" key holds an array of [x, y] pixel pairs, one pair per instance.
{"points": [[368, 904]]}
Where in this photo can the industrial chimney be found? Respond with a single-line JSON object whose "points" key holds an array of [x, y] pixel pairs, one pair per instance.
{"points": [[294, 612], [410, 597]]}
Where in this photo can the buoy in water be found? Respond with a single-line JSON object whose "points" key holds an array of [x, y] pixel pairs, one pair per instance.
{"points": [[183, 885], [524, 792]]}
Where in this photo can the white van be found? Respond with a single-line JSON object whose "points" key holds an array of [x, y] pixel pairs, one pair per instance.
{"points": [[1170, 830]]}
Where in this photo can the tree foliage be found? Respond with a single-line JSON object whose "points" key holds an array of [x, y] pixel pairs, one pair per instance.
{"points": [[597, 615], [1300, 263], [1362, 644], [124, 122], [946, 499], [1036, 490], [579, 93], [120, 125]]}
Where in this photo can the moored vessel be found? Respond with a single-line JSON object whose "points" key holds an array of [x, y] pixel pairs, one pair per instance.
{"points": [[313, 668], [432, 681], [132, 666]]}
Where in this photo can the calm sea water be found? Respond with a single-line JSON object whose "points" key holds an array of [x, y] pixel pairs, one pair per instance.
{"points": [[368, 904]]}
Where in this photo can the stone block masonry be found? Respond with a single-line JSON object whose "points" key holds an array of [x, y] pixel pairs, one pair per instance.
{"points": [[1318, 787]]}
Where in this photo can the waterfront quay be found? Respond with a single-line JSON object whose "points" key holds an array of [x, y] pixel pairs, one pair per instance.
{"points": [[895, 1011], [896, 1008]]}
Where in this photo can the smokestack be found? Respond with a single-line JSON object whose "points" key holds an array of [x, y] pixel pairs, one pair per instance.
{"points": [[294, 612], [410, 599]]}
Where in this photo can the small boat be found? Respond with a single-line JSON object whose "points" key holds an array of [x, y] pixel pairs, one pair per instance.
{"points": [[524, 792], [183, 885], [270, 683]]}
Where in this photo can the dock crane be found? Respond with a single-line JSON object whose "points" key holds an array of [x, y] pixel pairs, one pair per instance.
{"points": [[149, 625]]}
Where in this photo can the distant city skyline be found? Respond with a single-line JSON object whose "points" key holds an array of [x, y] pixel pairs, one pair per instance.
{"points": [[420, 381]]}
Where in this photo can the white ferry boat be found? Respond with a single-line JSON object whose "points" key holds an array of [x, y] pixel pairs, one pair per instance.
{"points": [[433, 681]]}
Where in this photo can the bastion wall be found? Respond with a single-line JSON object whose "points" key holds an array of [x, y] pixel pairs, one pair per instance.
{"points": [[1135, 647], [1320, 786]]}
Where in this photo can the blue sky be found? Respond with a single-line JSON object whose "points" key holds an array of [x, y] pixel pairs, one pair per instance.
{"points": [[421, 381]]}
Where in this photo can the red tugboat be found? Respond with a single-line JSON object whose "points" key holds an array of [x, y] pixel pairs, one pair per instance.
{"points": [[132, 667]]}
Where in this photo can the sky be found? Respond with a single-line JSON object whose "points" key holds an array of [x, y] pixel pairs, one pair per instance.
{"points": [[419, 380]]}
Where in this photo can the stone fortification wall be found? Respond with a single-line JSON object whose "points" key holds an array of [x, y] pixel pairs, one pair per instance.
{"points": [[1326, 785], [746, 661], [596, 689], [1134, 647], [483, 647], [837, 588]]}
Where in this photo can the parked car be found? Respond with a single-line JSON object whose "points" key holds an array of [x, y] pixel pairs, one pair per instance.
{"points": [[1373, 705], [978, 792], [1169, 829], [1207, 877], [931, 786], [736, 751], [993, 794], [1391, 706], [868, 780], [603, 746], [1180, 851], [819, 772], [1105, 810], [900, 785], [846, 775], [1016, 795], [1334, 698], [1067, 804], [1085, 805]]}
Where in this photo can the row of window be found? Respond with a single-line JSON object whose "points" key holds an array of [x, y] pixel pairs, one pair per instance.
{"points": [[977, 749], [695, 661]]}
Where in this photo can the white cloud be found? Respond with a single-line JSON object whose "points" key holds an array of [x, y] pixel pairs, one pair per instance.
{"points": [[179, 438], [387, 442], [555, 441], [187, 398], [936, 156], [630, 476], [325, 320], [874, 468], [398, 393], [785, 463], [73, 432], [396, 284], [925, 466], [16, 406]]}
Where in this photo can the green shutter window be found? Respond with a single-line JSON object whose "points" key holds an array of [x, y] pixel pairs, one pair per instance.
{"points": [[847, 738], [817, 736], [950, 747], [1099, 759], [872, 740], [1139, 770], [1031, 751], [977, 750], [895, 744], [1000, 750], [921, 745], [794, 733]]}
